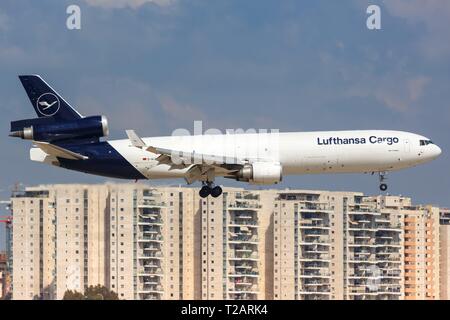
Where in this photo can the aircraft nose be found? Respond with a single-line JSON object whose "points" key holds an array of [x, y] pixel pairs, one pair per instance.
{"points": [[436, 152]]}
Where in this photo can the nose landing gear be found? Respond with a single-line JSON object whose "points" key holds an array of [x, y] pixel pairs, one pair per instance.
{"points": [[382, 178], [209, 189]]}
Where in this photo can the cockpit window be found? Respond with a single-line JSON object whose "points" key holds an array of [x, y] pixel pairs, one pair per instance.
{"points": [[425, 142]]}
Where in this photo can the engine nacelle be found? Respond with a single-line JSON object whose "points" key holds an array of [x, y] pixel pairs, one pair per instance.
{"points": [[36, 129], [261, 173]]}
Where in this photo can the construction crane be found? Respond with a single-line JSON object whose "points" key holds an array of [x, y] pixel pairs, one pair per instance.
{"points": [[7, 220]]}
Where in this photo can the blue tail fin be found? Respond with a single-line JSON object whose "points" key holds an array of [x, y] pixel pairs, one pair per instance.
{"points": [[46, 101]]}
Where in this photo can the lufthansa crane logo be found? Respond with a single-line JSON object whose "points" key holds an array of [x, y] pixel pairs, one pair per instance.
{"points": [[47, 104]]}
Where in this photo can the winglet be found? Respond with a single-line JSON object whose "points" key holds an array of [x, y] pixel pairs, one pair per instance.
{"points": [[135, 140]]}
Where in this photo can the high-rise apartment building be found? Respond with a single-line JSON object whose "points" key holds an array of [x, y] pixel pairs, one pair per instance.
{"points": [[126, 237], [236, 254], [373, 250], [137, 243], [3, 274], [421, 246], [148, 242], [307, 253], [33, 234], [335, 245], [444, 253]]}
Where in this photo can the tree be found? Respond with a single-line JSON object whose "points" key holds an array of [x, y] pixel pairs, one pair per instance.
{"points": [[73, 295], [100, 293], [97, 292], [8, 296]]}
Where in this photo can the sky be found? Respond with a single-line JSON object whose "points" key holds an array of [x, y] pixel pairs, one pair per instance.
{"points": [[158, 65]]}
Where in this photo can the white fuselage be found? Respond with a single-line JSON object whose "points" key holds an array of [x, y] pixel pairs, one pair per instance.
{"points": [[297, 152]]}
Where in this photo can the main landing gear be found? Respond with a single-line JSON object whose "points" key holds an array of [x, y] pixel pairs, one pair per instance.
{"points": [[382, 178], [209, 189]]}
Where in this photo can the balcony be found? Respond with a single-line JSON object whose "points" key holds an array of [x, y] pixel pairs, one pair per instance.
{"points": [[244, 257], [152, 288], [243, 296], [244, 281], [319, 242], [312, 226], [246, 215], [311, 209], [315, 266], [243, 249], [323, 282], [243, 222], [306, 252], [144, 221], [151, 248], [151, 265], [396, 229], [247, 196], [363, 211], [243, 205], [151, 205], [382, 220], [311, 274], [251, 290], [313, 232], [244, 267], [243, 273], [152, 230], [314, 292], [154, 279], [156, 273], [322, 258], [154, 238], [388, 257], [385, 243], [145, 295], [243, 239]]}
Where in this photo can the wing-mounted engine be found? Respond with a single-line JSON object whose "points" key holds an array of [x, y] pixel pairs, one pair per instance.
{"points": [[49, 130], [261, 173]]}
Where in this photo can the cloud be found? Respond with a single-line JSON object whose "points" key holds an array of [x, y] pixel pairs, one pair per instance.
{"points": [[124, 101], [394, 91], [12, 53], [4, 22], [433, 15], [133, 104], [180, 114], [117, 4], [417, 86]]}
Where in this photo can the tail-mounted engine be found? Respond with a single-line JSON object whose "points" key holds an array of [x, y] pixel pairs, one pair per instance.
{"points": [[49, 130]]}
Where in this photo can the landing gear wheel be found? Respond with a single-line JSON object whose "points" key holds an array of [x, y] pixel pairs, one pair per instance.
{"points": [[216, 191], [204, 191], [382, 178]]}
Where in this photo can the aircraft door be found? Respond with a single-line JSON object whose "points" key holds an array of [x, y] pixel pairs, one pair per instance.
{"points": [[407, 146]]}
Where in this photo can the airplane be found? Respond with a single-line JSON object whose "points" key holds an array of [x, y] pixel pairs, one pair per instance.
{"points": [[62, 137]]}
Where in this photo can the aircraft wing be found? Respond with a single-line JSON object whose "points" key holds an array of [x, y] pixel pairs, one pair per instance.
{"points": [[200, 163], [183, 158], [59, 152]]}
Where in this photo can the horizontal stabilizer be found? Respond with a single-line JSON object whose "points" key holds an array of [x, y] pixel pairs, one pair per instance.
{"points": [[59, 152]]}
